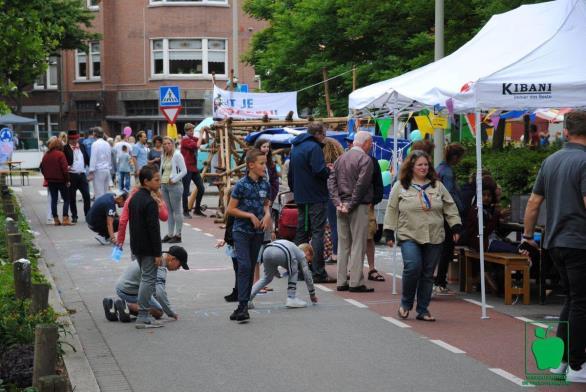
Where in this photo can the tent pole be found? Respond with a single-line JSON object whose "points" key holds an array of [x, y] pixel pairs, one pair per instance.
{"points": [[396, 168], [480, 214]]}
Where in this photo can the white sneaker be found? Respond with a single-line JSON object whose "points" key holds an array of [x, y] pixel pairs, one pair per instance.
{"points": [[250, 305], [560, 369], [295, 303], [50, 221], [577, 375]]}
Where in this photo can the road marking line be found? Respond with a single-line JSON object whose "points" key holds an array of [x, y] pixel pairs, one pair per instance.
{"points": [[355, 303], [398, 323], [511, 377], [448, 347], [477, 303], [186, 224], [208, 234], [391, 274], [323, 288], [527, 320], [196, 228]]}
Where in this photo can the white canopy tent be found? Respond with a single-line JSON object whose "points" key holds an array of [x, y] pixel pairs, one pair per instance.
{"points": [[527, 58]]}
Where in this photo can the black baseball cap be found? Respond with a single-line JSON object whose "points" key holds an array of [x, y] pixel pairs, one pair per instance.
{"points": [[180, 254]]}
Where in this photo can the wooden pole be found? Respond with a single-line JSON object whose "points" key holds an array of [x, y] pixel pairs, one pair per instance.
{"points": [[18, 252], [52, 383], [11, 239], [353, 78], [21, 270], [327, 92], [40, 297], [45, 352]]}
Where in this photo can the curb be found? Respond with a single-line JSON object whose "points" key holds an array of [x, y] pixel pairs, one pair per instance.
{"points": [[81, 375]]}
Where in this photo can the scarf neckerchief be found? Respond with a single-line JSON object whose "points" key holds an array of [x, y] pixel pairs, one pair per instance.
{"points": [[423, 197]]}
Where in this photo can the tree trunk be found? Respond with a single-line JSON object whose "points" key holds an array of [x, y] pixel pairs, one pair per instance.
{"points": [[498, 138]]}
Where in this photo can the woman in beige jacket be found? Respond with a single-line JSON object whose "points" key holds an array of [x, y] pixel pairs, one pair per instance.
{"points": [[415, 215]]}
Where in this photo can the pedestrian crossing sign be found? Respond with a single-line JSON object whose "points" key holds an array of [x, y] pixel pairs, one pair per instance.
{"points": [[169, 96]]}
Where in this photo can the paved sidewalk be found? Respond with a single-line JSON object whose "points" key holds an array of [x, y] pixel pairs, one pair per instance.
{"points": [[334, 346]]}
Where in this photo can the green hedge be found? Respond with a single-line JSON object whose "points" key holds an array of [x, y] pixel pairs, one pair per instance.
{"points": [[514, 168]]}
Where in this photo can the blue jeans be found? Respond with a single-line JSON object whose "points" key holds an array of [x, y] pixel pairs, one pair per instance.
{"points": [[172, 197], [56, 188], [124, 181], [333, 221], [247, 246], [419, 262]]}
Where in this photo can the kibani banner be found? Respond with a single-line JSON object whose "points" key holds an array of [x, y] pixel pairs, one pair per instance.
{"points": [[249, 106]]}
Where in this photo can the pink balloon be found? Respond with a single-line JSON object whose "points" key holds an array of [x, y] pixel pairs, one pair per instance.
{"points": [[127, 131]]}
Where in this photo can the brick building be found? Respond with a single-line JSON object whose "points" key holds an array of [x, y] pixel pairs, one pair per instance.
{"points": [[145, 44]]}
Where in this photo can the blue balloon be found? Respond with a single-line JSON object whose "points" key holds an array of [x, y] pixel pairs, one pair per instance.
{"points": [[415, 136], [386, 176]]}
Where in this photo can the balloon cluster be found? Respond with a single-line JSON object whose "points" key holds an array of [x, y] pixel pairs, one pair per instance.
{"points": [[384, 165]]}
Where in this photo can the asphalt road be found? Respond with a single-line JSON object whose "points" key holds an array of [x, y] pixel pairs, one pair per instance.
{"points": [[334, 346]]}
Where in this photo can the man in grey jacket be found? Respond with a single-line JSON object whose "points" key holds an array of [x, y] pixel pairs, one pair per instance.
{"points": [[129, 282], [350, 187]]}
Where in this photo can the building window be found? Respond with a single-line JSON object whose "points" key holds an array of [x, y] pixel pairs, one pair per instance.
{"points": [[93, 5], [87, 115], [188, 2], [48, 80], [87, 64], [142, 108], [192, 107], [48, 125], [202, 56]]}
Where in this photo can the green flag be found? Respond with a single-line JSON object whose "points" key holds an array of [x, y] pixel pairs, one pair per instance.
{"points": [[384, 124]]}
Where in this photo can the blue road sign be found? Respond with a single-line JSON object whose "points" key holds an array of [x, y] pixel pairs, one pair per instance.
{"points": [[169, 96]]}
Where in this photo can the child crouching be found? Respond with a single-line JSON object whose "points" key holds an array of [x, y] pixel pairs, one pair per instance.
{"points": [[285, 254]]}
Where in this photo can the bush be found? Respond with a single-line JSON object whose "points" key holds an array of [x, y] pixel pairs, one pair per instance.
{"points": [[514, 168]]}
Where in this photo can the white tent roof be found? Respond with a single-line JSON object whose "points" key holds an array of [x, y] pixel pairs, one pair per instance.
{"points": [[530, 57]]}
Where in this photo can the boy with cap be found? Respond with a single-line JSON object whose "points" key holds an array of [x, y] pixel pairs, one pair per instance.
{"points": [[102, 217], [129, 282], [285, 254]]}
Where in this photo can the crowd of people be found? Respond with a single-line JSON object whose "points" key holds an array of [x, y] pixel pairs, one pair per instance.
{"points": [[427, 214]]}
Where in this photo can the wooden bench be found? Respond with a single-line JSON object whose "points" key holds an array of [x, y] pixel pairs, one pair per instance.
{"points": [[511, 262]]}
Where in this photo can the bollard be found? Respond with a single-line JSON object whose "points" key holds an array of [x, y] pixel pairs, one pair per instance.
{"points": [[11, 226], [10, 211], [40, 297], [45, 352], [22, 278], [52, 384], [18, 252], [12, 239]]}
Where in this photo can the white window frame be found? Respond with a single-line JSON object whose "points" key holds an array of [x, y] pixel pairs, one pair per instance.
{"points": [[204, 44], [47, 77], [192, 3], [89, 63], [93, 7]]}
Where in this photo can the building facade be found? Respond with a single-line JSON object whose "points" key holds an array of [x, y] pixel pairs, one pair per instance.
{"points": [[145, 44]]}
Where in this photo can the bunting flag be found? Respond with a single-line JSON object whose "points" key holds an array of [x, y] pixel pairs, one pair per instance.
{"points": [[384, 124]]}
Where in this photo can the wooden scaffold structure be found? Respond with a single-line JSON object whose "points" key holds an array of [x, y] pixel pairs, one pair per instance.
{"points": [[227, 146]]}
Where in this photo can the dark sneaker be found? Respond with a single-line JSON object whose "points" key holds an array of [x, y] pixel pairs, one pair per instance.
{"points": [[325, 279], [109, 309], [199, 213], [73, 221], [232, 297], [166, 238], [234, 314], [243, 315], [175, 240], [187, 215], [122, 310], [148, 323]]}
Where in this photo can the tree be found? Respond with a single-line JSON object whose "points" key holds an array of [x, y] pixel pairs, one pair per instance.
{"points": [[381, 38], [32, 30]]}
